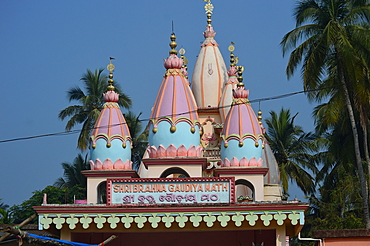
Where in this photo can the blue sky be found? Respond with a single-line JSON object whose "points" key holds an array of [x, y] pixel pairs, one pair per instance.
{"points": [[47, 45]]}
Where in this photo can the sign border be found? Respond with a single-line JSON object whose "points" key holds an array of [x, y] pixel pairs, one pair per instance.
{"points": [[231, 181]]}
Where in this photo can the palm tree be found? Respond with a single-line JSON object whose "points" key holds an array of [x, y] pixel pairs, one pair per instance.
{"points": [[293, 150], [139, 138], [334, 38], [4, 214], [72, 173], [5, 217], [95, 84], [3, 205]]}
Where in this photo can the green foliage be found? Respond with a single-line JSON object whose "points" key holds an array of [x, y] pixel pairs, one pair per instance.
{"points": [[3, 205], [331, 43], [72, 173], [91, 102], [5, 217], [139, 138], [293, 150], [55, 195]]}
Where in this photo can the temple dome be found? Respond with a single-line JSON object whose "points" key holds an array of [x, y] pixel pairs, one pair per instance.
{"points": [[110, 140], [242, 136], [210, 72], [174, 129]]}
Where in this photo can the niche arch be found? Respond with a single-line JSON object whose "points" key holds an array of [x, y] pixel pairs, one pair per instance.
{"points": [[177, 172], [244, 188], [101, 191]]}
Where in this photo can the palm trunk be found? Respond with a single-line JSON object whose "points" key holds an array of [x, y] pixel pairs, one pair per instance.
{"points": [[363, 183], [366, 148]]}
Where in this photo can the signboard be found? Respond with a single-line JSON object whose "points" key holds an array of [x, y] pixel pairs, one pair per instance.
{"points": [[170, 191]]}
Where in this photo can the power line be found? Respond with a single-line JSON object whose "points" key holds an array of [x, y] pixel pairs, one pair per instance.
{"points": [[144, 120]]}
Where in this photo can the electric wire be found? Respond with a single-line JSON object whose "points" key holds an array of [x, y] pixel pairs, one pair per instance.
{"points": [[144, 120]]}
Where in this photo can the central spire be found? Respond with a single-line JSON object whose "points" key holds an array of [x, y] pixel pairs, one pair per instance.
{"points": [[210, 71]]}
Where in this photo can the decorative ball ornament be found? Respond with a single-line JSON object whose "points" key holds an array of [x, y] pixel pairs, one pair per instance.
{"points": [[110, 67], [259, 117], [263, 146], [182, 51], [109, 145], [201, 132], [226, 145], [173, 129], [93, 146], [241, 144], [124, 146], [192, 130], [256, 144], [154, 130]]}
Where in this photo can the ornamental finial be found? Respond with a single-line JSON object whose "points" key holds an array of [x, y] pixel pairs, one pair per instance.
{"points": [[233, 59], [240, 75], [173, 44], [185, 62], [209, 11], [110, 68]]}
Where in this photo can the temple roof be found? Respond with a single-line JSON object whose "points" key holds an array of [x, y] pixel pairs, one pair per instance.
{"points": [[174, 120], [210, 71], [111, 139], [242, 135]]}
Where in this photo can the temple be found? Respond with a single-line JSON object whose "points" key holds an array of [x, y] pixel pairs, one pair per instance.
{"points": [[208, 176]]}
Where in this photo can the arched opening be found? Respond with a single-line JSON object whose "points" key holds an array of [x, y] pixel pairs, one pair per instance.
{"points": [[102, 192], [244, 188], [174, 172]]}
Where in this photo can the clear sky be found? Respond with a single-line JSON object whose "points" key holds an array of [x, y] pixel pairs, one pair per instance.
{"points": [[46, 46]]}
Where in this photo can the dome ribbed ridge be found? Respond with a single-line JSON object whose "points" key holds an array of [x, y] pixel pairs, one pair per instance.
{"points": [[110, 139], [242, 136], [174, 125]]}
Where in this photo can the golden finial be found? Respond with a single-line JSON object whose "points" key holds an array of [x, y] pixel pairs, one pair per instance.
{"points": [[110, 68], [259, 117], [184, 59], [182, 53], [209, 11], [231, 48], [173, 44], [232, 59], [236, 60], [240, 77]]}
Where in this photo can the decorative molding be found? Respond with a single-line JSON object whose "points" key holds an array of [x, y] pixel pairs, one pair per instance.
{"points": [[173, 152], [110, 173], [109, 165], [241, 170], [168, 219], [178, 161], [243, 162]]}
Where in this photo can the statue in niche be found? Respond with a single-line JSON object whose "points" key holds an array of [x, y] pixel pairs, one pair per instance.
{"points": [[258, 244]]}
